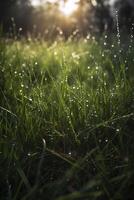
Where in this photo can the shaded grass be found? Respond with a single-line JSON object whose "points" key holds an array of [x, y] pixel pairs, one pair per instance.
{"points": [[78, 97]]}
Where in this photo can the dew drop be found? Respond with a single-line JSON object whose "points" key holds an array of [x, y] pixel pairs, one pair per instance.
{"points": [[73, 87], [70, 153], [117, 130], [22, 85], [106, 140], [106, 36], [105, 43]]}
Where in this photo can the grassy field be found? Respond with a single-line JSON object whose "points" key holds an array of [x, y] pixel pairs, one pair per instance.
{"points": [[66, 120]]}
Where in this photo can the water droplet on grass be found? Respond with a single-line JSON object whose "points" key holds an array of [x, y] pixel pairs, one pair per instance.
{"points": [[117, 86], [29, 154], [117, 130], [22, 85], [106, 140], [24, 65], [44, 143], [74, 87], [20, 29], [105, 43], [70, 153], [105, 83], [93, 38], [88, 37]]}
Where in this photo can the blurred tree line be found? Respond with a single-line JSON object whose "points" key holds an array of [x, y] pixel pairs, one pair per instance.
{"points": [[15, 14], [94, 16]]}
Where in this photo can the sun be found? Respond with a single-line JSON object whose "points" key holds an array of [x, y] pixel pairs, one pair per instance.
{"points": [[35, 2], [68, 7]]}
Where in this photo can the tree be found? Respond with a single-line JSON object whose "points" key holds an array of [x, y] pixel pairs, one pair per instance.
{"points": [[103, 19], [96, 17], [5, 10], [18, 9], [125, 13]]}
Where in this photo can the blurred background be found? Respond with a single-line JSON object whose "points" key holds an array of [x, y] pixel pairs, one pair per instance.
{"points": [[54, 18]]}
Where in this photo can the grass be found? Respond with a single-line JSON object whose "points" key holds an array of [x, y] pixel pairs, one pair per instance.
{"points": [[66, 120]]}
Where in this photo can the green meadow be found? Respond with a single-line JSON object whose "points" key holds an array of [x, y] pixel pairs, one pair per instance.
{"points": [[66, 119]]}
